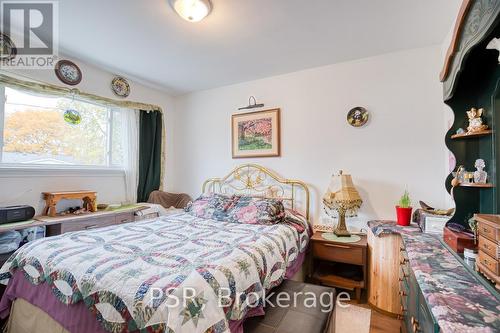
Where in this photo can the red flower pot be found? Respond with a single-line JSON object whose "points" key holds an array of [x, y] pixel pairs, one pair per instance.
{"points": [[404, 215]]}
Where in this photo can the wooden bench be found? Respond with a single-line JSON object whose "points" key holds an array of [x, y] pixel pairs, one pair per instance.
{"points": [[295, 318], [52, 198]]}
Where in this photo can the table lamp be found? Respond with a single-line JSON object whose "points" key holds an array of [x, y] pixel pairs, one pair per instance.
{"points": [[342, 198]]}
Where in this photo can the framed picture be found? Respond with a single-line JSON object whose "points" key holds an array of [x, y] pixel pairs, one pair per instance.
{"points": [[256, 134]]}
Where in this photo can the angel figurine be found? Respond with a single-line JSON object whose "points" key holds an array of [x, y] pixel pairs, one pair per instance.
{"points": [[475, 120]]}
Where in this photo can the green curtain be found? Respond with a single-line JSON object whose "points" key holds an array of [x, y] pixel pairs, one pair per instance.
{"points": [[150, 141]]}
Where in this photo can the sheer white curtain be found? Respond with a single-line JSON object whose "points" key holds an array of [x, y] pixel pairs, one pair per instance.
{"points": [[131, 154]]}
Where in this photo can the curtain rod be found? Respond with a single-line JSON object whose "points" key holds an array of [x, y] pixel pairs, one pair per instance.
{"points": [[70, 92]]}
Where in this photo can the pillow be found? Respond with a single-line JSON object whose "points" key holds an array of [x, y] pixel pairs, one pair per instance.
{"points": [[251, 210], [210, 206], [297, 221]]}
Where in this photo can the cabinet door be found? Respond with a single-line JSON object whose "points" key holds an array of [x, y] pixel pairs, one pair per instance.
{"points": [[404, 286], [412, 302], [426, 321]]}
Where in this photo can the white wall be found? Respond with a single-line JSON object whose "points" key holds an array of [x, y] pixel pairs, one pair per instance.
{"points": [[402, 146], [20, 188]]}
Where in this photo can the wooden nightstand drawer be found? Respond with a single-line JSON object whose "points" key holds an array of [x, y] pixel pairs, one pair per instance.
{"points": [[87, 224], [338, 253]]}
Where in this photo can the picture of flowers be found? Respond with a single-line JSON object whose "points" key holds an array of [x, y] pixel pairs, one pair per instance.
{"points": [[256, 134]]}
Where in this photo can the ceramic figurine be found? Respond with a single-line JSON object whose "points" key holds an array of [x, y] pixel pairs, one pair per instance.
{"points": [[475, 120], [480, 175], [494, 44], [460, 131]]}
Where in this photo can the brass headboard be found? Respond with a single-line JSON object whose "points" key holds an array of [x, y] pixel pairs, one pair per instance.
{"points": [[255, 180]]}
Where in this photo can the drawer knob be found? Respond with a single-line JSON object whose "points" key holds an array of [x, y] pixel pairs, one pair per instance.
{"points": [[403, 261], [403, 310], [402, 293]]}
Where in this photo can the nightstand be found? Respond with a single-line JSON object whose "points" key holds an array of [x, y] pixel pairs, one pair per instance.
{"points": [[338, 264]]}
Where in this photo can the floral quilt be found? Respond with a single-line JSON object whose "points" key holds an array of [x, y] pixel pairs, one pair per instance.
{"points": [[177, 273]]}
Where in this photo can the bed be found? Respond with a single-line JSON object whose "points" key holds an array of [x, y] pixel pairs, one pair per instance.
{"points": [[177, 273]]}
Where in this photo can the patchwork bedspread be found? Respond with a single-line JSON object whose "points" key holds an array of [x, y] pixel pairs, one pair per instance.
{"points": [[176, 273]]}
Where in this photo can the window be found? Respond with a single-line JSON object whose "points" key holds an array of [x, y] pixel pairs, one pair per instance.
{"points": [[56, 131]]}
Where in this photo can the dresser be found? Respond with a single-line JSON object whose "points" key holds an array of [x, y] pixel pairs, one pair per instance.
{"points": [[61, 224], [437, 291], [385, 271], [489, 247]]}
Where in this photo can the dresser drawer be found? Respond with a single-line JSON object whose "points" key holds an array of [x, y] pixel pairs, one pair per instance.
{"points": [[489, 247], [339, 253], [87, 224], [490, 263], [489, 232], [124, 218]]}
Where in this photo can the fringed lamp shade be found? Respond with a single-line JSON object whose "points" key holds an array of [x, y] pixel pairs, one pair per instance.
{"points": [[343, 198]]}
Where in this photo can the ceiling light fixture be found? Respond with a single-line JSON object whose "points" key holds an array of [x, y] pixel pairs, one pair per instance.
{"points": [[192, 10]]}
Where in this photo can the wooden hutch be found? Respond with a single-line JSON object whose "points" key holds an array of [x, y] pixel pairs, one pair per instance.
{"points": [[471, 79]]}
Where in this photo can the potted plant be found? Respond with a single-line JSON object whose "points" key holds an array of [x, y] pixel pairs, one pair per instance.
{"points": [[403, 209]]}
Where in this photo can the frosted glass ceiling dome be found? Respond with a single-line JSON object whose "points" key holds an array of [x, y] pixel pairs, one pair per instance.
{"points": [[192, 10]]}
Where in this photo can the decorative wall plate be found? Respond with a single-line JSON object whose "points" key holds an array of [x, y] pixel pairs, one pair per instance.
{"points": [[357, 116], [8, 49], [120, 87], [68, 72]]}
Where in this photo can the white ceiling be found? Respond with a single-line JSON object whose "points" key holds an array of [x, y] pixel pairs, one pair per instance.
{"points": [[243, 40]]}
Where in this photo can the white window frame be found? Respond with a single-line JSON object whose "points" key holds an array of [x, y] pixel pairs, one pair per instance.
{"points": [[14, 169]]}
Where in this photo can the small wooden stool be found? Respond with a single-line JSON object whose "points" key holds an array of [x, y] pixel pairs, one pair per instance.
{"points": [[52, 198]]}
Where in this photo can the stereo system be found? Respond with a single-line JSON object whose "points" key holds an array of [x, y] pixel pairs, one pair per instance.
{"points": [[16, 213]]}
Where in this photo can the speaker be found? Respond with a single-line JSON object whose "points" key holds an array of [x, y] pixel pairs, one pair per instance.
{"points": [[16, 213]]}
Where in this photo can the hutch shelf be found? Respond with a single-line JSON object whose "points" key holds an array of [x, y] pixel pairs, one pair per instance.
{"points": [[487, 185], [471, 135]]}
